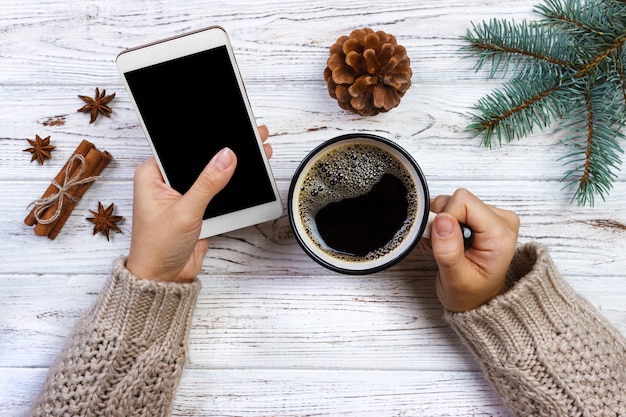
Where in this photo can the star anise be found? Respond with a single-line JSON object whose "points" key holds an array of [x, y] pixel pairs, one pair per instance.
{"points": [[104, 220], [97, 105], [40, 148]]}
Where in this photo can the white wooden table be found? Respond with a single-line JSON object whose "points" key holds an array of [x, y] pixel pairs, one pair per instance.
{"points": [[274, 334]]}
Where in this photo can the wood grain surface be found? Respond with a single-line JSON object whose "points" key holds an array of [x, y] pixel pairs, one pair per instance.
{"points": [[274, 334]]}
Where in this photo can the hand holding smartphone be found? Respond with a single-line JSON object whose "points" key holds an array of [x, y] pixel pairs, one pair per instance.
{"points": [[191, 102]]}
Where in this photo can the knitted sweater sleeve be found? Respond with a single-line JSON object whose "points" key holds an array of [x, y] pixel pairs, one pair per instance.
{"points": [[545, 349], [126, 355]]}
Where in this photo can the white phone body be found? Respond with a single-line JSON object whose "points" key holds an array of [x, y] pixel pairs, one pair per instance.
{"points": [[191, 102]]}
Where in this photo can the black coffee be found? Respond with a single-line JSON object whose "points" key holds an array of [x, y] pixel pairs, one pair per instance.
{"points": [[357, 202], [360, 225]]}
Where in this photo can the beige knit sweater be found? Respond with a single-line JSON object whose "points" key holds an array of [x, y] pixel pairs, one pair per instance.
{"points": [[544, 349], [126, 355]]}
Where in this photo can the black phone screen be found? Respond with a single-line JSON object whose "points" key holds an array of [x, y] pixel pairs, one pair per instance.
{"points": [[192, 107]]}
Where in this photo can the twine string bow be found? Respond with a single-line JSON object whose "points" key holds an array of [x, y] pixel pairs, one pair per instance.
{"points": [[43, 204]]}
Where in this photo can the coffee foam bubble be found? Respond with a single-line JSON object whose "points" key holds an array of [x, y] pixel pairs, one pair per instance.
{"points": [[348, 171]]}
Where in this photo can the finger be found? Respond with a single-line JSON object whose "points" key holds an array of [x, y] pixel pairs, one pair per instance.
{"points": [[264, 132], [268, 150], [447, 246], [469, 209], [211, 181], [438, 204], [148, 170]]}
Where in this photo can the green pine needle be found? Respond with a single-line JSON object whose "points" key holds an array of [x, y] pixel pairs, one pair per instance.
{"points": [[569, 67]]}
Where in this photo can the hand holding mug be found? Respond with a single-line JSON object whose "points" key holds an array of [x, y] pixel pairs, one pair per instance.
{"points": [[470, 278]]}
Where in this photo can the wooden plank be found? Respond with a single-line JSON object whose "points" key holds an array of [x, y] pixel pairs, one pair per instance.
{"points": [[277, 41], [381, 321], [267, 392]]}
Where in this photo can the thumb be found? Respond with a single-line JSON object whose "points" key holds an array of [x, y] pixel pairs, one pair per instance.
{"points": [[447, 245], [212, 179]]}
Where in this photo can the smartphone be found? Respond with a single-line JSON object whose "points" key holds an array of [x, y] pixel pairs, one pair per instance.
{"points": [[191, 102]]}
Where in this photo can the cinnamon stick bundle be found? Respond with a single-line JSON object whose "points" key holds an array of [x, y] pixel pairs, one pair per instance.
{"points": [[52, 210]]}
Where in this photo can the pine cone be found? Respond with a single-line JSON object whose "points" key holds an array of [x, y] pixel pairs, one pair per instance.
{"points": [[368, 72]]}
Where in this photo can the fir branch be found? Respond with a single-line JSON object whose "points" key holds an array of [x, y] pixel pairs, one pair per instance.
{"points": [[614, 72], [602, 57], [571, 65], [576, 18], [617, 7], [620, 71], [594, 143], [502, 43], [585, 183], [513, 112]]}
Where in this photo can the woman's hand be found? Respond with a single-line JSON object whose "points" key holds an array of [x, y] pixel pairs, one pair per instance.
{"points": [[472, 277], [166, 225]]}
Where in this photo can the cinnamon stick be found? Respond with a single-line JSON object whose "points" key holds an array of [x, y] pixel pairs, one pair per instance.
{"points": [[91, 160], [83, 148], [105, 158]]}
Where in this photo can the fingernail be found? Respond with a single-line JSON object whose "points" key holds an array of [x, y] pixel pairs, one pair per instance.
{"points": [[444, 226], [224, 159]]}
